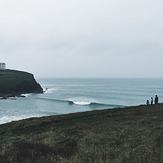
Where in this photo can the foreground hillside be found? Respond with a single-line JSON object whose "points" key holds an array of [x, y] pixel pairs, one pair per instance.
{"points": [[133, 134]]}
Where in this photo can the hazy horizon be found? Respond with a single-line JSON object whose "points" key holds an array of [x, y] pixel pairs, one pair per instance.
{"points": [[83, 39]]}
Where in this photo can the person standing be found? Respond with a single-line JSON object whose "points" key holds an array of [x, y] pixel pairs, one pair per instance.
{"points": [[147, 103], [151, 100], [156, 99]]}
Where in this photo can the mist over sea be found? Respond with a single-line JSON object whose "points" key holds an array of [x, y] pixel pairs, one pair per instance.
{"points": [[64, 96]]}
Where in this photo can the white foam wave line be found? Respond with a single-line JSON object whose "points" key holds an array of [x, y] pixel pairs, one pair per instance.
{"points": [[82, 103], [6, 119], [50, 90], [26, 95]]}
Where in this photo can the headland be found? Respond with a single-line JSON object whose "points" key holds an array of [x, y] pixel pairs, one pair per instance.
{"points": [[15, 83]]}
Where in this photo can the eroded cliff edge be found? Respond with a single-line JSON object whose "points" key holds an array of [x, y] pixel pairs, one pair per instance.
{"points": [[15, 83]]}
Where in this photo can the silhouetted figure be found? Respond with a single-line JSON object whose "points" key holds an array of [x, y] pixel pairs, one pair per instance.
{"points": [[151, 100], [147, 102], [156, 99]]}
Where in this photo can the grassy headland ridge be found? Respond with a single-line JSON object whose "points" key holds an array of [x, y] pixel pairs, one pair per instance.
{"points": [[14, 82], [133, 134]]}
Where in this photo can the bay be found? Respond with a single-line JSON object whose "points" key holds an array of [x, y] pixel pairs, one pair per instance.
{"points": [[62, 96]]}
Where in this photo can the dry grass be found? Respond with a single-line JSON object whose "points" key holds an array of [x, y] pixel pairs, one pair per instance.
{"points": [[133, 134]]}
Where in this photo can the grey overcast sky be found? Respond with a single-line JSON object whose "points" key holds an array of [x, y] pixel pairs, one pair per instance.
{"points": [[83, 38]]}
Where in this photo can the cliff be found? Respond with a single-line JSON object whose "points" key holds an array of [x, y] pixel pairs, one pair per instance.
{"points": [[15, 83]]}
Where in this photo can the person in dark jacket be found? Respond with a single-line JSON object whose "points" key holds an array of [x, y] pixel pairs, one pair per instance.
{"points": [[156, 99], [147, 103], [151, 100]]}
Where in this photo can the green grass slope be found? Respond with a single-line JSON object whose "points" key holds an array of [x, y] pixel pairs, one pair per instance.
{"points": [[129, 135]]}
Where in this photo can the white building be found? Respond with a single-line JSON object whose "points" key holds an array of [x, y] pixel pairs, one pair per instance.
{"points": [[2, 66]]}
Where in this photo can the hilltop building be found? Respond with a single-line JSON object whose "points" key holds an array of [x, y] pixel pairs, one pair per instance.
{"points": [[2, 66]]}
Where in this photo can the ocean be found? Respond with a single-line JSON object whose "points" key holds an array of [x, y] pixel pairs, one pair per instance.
{"points": [[62, 96]]}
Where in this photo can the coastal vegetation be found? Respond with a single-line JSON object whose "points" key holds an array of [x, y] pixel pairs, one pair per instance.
{"points": [[13, 83], [122, 135]]}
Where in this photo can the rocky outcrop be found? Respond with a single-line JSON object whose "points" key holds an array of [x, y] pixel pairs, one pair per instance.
{"points": [[15, 83]]}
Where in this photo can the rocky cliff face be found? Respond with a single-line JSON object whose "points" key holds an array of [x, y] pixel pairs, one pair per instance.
{"points": [[15, 83]]}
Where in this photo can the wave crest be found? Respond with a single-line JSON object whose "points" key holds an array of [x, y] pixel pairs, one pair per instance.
{"points": [[49, 90], [81, 101], [91, 103]]}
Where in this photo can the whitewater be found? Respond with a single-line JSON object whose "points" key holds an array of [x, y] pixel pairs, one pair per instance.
{"points": [[63, 96]]}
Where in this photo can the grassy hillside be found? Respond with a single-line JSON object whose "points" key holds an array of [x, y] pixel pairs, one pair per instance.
{"points": [[133, 134], [17, 82]]}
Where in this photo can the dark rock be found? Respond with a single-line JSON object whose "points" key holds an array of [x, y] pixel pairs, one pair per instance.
{"points": [[14, 83]]}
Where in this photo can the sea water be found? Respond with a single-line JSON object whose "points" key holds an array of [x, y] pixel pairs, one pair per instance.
{"points": [[62, 96]]}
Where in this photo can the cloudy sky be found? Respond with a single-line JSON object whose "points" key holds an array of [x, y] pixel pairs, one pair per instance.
{"points": [[88, 38]]}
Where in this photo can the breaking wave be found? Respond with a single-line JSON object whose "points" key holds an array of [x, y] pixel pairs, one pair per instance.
{"points": [[25, 95], [82, 103], [49, 90], [6, 119]]}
